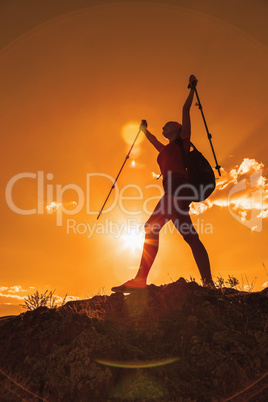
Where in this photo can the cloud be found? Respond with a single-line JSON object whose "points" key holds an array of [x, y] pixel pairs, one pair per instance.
{"points": [[17, 293], [16, 289], [12, 296], [59, 300], [54, 206], [243, 190], [72, 298]]}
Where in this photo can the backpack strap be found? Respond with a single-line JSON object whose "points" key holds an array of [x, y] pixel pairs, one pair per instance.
{"points": [[185, 154]]}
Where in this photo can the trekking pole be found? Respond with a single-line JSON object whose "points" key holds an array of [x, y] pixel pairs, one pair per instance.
{"points": [[126, 158], [208, 133]]}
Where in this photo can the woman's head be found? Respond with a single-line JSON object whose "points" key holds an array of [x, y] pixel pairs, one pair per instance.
{"points": [[171, 130]]}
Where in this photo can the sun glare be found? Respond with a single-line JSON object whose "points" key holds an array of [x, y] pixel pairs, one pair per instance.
{"points": [[133, 240]]}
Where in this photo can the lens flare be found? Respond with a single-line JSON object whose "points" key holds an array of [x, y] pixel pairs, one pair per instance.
{"points": [[137, 365], [133, 239], [20, 386], [130, 132]]}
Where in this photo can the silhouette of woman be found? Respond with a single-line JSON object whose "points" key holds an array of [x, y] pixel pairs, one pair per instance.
{"points": [[173, 205]]}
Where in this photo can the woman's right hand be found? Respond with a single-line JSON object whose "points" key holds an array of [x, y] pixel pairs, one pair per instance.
{"points": [[192, 81]]}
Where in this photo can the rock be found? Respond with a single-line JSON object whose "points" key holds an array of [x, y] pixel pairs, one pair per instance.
{"points": [[176, 342]]}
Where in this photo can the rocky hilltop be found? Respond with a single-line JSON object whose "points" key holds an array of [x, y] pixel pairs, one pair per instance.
{"points": [[177, 342]]}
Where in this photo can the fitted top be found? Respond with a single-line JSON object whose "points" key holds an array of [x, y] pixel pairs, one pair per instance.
{"points": [[170, 158]]}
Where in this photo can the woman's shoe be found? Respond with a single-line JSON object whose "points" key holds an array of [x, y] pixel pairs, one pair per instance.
{"points": [[130, 286]]}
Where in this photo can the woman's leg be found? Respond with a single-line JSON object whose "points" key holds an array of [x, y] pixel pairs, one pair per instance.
{"points": [[160, 216], [184, 225], [150, 249]]}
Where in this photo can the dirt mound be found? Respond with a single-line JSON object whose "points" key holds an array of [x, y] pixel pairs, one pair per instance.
{"points": [[177, 342]]}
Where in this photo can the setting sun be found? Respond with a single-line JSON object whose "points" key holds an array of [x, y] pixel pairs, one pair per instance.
{"points": [[133, 240]]}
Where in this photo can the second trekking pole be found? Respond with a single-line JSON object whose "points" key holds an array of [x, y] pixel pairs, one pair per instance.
{"points": [[208, 133], [126, 158]]}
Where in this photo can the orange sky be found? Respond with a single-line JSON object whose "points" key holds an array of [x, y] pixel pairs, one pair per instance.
{"points": [[72, 77]]}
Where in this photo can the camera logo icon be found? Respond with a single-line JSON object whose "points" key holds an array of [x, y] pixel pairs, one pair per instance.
{"points": [[245, 202]]}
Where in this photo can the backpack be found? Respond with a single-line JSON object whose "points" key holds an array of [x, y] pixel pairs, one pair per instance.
{"points": [[201, 175]]}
